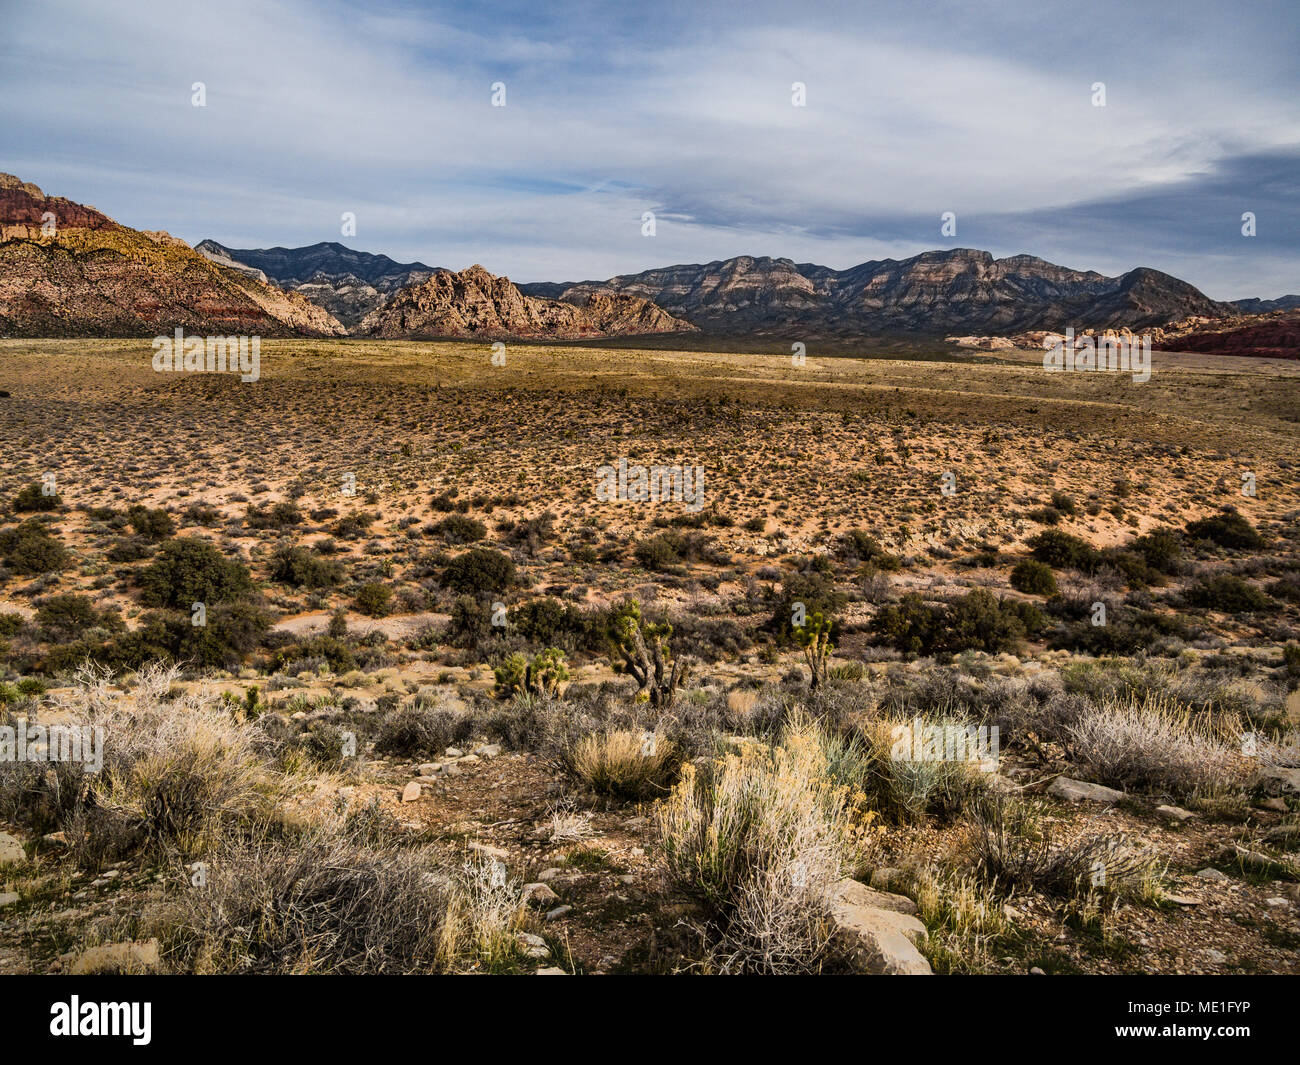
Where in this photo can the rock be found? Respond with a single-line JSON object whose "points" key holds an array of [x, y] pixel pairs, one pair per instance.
{"points": [[411, 792], [1211, 874], [877, 940], [490, 851], [1174, 813], [1080, 790], [488, 750], [558, 912], [128, 957], [1217, 957], [1181, 900], [8, 898], [11, 850], [1275, 803], [538, 895], [1277, 902], [454, 752], [532, 946], [550, 874], [1287, 777], [551, 970], [427, 769], [468, 759], [1036, 971]]}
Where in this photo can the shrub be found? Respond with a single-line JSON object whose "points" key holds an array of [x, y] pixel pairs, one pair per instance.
{"points": [[762, 837], [547, 620], [625, 764], [975, 621], [658, 552], [66, 617], [1291, 659], [459, 529], [327, 648], [417, 729], [189, 571], [300, 568], [479, 571], [275, 516], [1228, 529], [1228, 594], [1033, 578], [373, 599], [30, 549], [154, 525], [341, 902], [31, 499], [1161, 548], [1153, 744], [1061, 550], [817, 594], [177, 773]]}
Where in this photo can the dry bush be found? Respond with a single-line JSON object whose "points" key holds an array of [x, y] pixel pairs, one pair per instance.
{"points": [[904, 790], [625, 764], [338, 903], [963, 915], [176, 774], [761, 838], [1013, 850], [417, 729], [1154, 744]]}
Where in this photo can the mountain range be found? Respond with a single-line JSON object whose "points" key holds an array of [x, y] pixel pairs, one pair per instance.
{"points": [[347, 283], [931, 293], [69, 270]]}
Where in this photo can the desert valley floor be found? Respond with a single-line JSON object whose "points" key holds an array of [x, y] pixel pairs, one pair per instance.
{"points": [[393, 502]]}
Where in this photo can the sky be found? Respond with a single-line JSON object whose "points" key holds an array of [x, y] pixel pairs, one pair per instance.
{"points": [[684, 110]]}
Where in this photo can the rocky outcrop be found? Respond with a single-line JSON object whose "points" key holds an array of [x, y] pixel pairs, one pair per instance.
{"points": [[962, 290], [1274, 335], [475, 303], [347, 283], [69, 270]]}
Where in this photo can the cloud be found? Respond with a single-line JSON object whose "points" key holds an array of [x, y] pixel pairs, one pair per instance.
{"points": [[385, 111]]}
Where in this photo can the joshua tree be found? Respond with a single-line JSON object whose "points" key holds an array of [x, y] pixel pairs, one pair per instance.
{"points": [[644, 654], [542, 676], [814, 637]]}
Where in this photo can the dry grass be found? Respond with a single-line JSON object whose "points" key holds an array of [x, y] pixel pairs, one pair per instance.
{"points": [[1152, 743], [625, 764], [761, 838]]}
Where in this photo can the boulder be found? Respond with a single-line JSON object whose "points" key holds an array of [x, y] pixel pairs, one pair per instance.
{"points": [[1080, 791], [11, 850], [876, 932]]}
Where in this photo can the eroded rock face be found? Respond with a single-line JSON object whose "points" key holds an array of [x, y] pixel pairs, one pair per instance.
{"points": [[475, 303], [962, 289], [69, 270], [878, 932]]}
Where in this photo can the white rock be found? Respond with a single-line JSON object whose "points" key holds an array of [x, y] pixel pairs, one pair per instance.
{"points": [[1174, 813], [1211, 874], [411, 792], [1079, 790], [875, 939]]}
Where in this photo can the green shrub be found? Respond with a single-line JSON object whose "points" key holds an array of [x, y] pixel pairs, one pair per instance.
{"points": [[189, 571], [31, 499], [459, 529], [479, 571], [301, 568], [1033, 578], [154, 525], [29, 549], [1228, 529], [1161, 548], [1227, 594], [65, 617], [373, 599], [1061, 550]]}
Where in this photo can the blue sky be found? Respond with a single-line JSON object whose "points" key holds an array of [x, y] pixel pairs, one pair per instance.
{"points": [[384, 110]]}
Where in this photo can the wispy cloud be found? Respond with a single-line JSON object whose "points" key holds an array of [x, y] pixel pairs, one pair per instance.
{"points": [[685, 110]]}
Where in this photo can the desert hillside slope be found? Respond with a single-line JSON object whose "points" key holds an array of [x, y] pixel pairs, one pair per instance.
{"points": [[69, 270]]}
